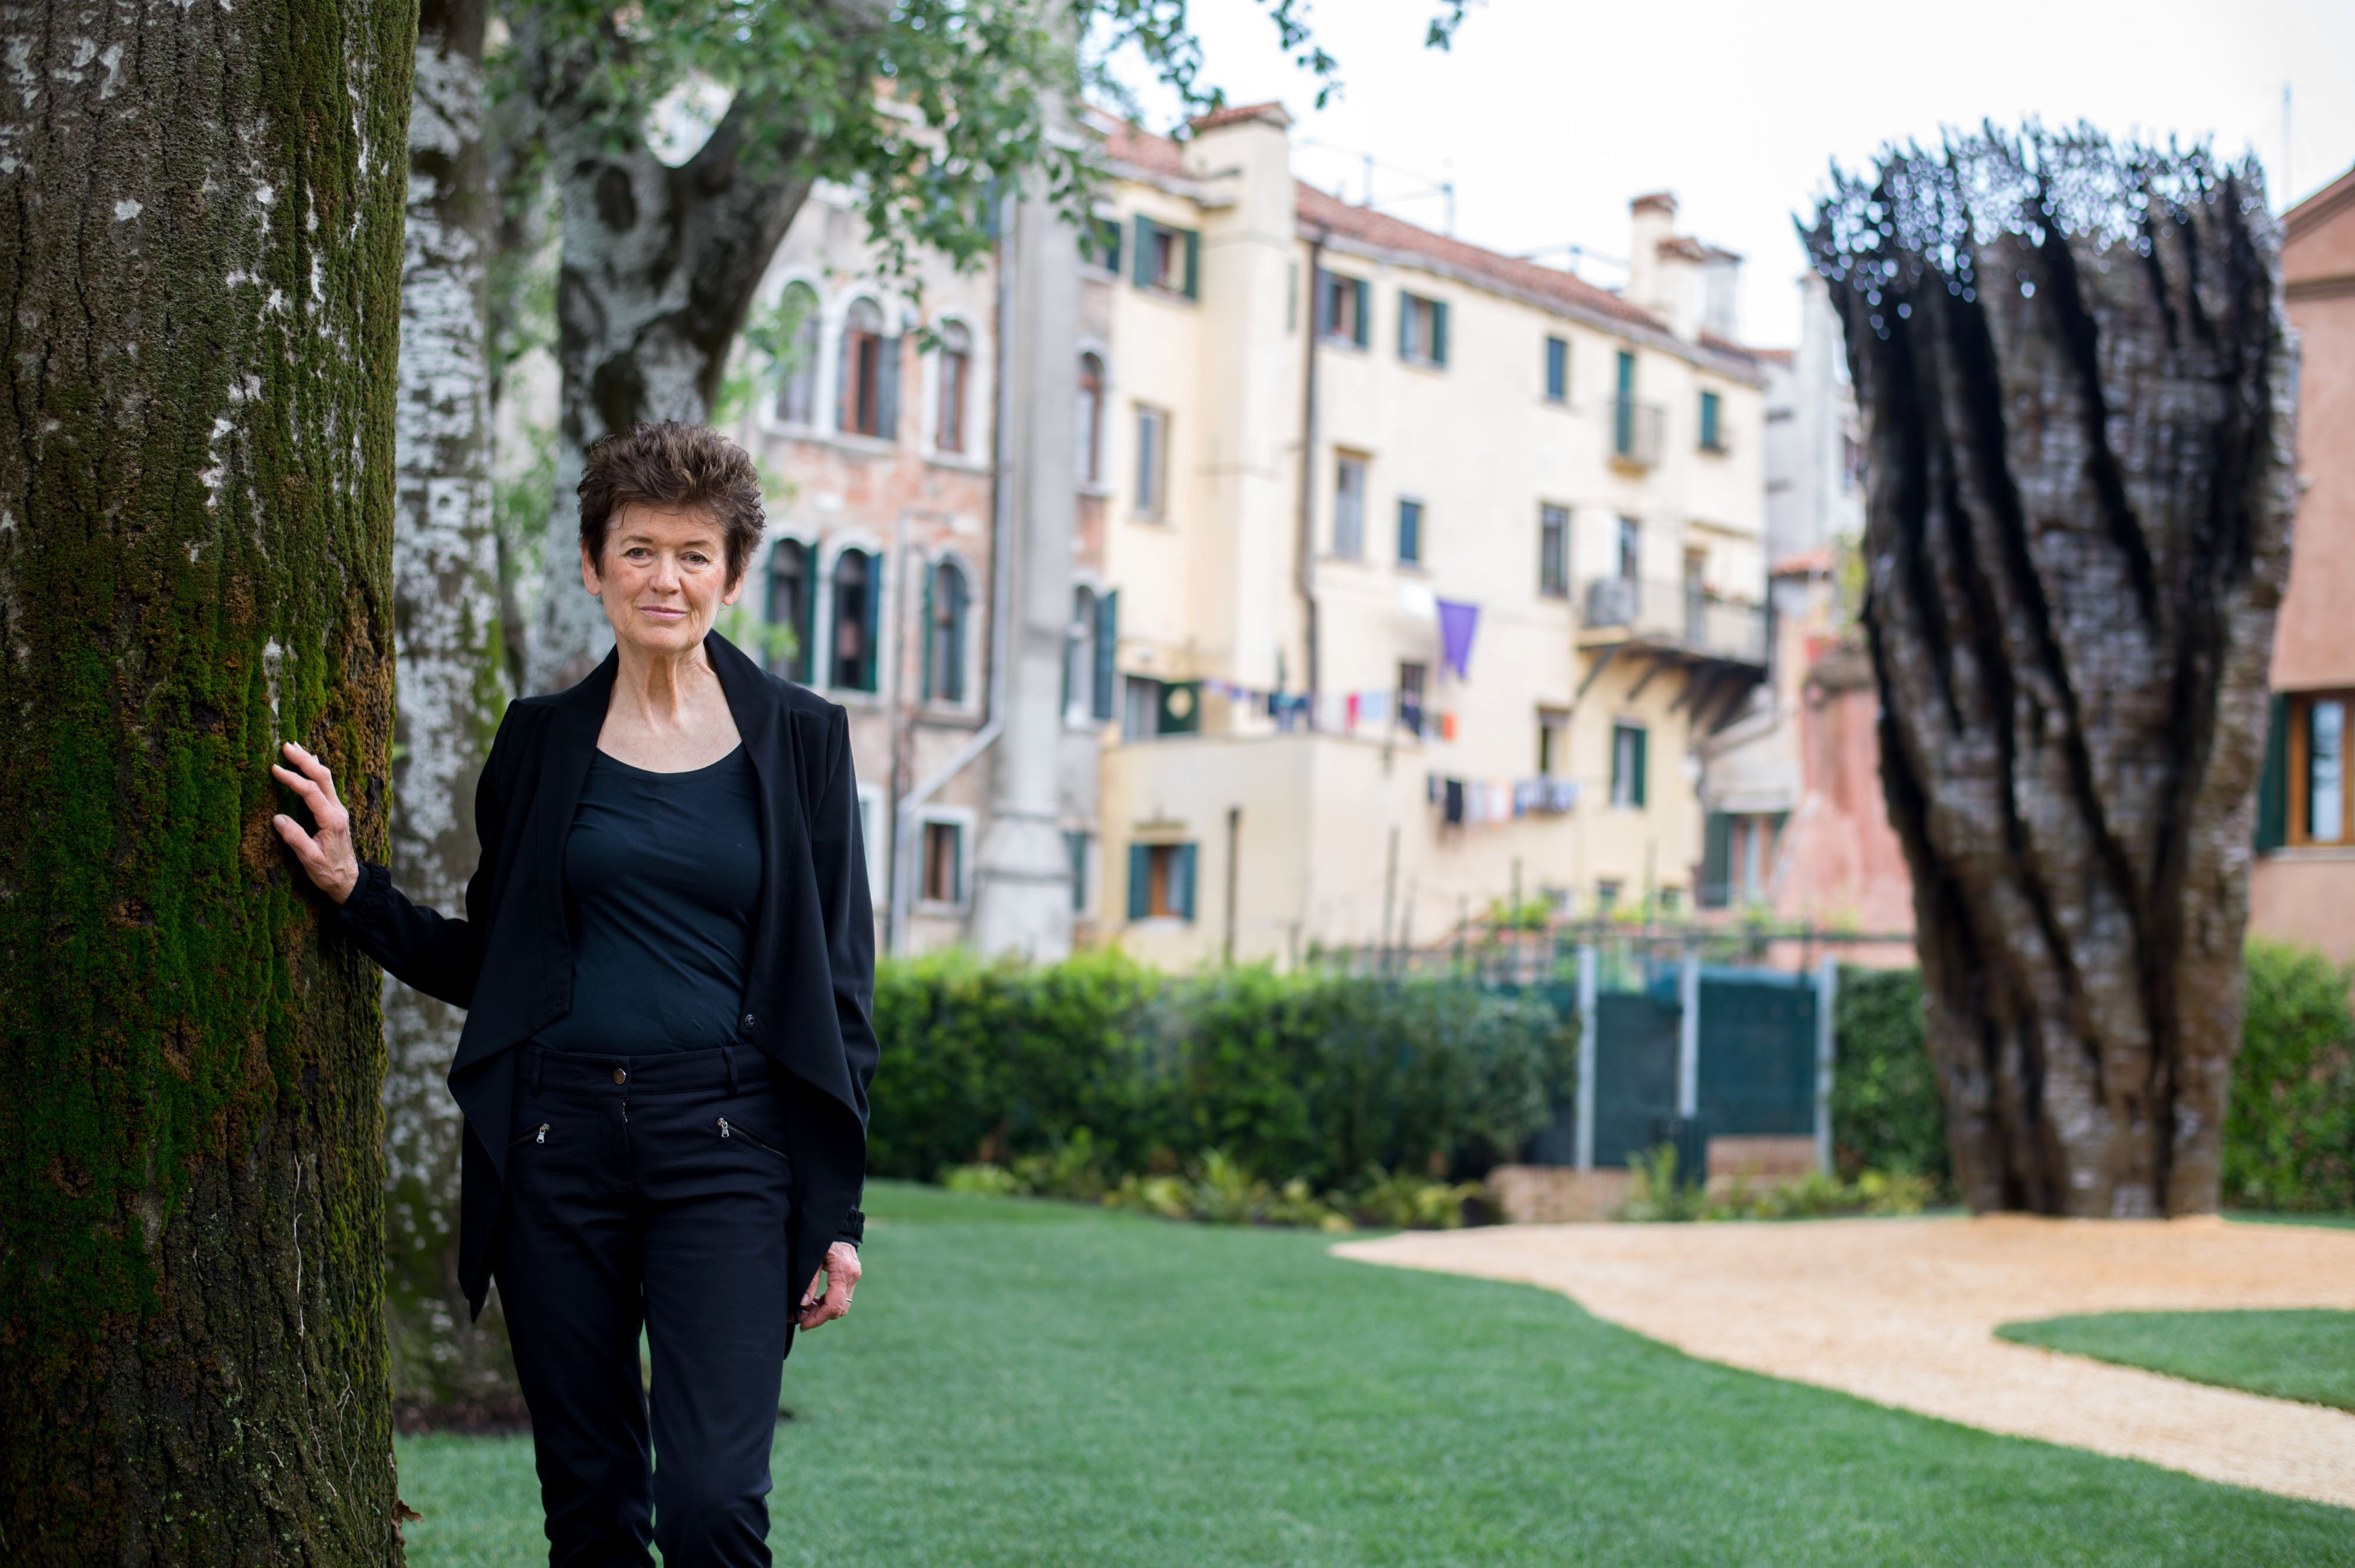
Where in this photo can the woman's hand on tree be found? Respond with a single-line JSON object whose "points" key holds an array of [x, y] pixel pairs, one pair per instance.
{"points": [[840, 1273], [326, 852]]}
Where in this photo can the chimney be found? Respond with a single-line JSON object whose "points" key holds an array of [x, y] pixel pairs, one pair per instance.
{"points": [[1652, 218]]}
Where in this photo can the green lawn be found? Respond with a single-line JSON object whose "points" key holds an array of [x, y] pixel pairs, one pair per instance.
{"points": [[1033, 1384], [2308, 1355]]}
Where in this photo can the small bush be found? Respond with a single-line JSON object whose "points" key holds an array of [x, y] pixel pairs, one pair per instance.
{"points": [[2289, 1135], [1886, 1113]]}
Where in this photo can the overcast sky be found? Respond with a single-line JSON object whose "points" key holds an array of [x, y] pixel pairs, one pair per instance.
{"points": [[1549, 115]]}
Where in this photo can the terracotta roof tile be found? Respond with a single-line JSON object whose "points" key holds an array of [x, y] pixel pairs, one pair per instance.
{"points": [[1271, 112], [1132, 145], [1318, 210]]}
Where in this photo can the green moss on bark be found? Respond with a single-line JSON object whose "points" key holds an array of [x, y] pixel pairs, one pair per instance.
{"points": [[195, 531]]}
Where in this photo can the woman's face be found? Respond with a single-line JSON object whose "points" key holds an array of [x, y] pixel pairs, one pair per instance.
{"points": [[662, 579]]}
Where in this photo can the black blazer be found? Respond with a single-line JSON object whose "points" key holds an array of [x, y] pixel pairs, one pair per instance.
{"points": [[509, 960]]}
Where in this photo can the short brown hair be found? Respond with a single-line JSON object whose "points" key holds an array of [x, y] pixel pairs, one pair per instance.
{"points": [[674, 467]]}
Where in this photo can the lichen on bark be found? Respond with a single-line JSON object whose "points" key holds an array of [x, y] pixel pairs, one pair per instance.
{"points": [[195, 499]]}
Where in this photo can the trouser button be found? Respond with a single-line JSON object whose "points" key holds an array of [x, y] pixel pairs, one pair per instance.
{"points": [[621, 1075]]}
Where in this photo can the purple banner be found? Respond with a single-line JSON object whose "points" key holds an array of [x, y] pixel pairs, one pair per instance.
{"points": [[1456, 625]]}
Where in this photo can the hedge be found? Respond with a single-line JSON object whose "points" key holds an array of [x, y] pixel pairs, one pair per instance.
{"points": [[1308, 1076], [2289, 1135]]}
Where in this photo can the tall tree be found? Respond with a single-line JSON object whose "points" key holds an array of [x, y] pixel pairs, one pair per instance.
{"points": [[203, 265], [449, 692], [2074, 375]]}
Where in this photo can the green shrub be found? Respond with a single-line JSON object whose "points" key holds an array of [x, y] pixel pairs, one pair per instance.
{"points": [[1076, 1077], [1886, 1113], [2289, 1136]]}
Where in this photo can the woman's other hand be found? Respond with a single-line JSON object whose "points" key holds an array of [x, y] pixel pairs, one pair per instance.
{"points": [[326, 856], [841, 1277]]}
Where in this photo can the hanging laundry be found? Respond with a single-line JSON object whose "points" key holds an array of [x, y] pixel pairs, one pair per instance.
{"points": [[1452, 809], [1447, 726], [1458, 622], [1374, 708]]}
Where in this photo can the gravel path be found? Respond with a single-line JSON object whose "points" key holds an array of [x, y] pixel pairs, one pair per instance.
{"points": [[1903, 1312]]}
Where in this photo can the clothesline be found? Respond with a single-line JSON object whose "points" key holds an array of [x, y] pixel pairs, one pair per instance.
{"points": [[1481, 803]]}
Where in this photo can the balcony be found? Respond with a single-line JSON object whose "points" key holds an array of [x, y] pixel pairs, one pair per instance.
{"points": [[1636, 434], [1672, 616]]}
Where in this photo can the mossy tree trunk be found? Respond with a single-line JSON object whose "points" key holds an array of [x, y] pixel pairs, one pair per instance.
{"points": [[203, 259], [2075, 376], [445, 582]]}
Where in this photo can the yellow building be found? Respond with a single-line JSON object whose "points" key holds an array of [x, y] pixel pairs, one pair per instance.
{"points": [[1334, 456]]}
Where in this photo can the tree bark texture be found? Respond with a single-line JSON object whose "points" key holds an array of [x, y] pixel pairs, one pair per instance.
{"points": [[2075, 376], [659, 267], [450, 696], [202, 264]]}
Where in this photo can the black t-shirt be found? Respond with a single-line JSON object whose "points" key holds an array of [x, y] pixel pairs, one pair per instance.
{"points": [[661, 875]]}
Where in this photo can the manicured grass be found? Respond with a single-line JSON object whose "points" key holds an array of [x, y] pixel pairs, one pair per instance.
{"points": [[2308, 1355], [2254, 1217], [1037, 1383]]}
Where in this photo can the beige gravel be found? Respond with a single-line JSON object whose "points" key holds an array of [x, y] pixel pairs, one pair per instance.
{"points": [[1903, 1312]]}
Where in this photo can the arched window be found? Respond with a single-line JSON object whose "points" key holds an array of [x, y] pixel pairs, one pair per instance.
{"points": [[856, 592], [797, 370], [946, 606], [789, 610], [956, 373], [871, 374], [1088, 426]]}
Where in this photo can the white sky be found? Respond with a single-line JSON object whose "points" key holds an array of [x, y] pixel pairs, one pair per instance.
{"points": [[1549, 115]]}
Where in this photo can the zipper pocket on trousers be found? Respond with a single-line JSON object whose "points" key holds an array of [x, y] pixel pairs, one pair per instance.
{"points": [[538, 1134], [729, 1129]]}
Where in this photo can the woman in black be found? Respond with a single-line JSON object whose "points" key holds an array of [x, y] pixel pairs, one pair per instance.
{"points": [[668, 957]]}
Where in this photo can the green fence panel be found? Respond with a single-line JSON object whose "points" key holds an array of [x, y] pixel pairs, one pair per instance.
{"points": [[1757, 1053]]}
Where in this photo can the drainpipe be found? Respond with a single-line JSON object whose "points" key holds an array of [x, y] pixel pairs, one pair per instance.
{"points": [[1304, 546], [1001, 595]]}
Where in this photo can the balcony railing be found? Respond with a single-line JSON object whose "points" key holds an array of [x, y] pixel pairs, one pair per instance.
{"points": [[1636, 432], [1678, 615]]}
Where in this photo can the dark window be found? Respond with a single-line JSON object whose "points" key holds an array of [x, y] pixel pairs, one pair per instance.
{"points": [[1410, 696], [1712, 432], [1553, 550], [1631, 549], [1161, 881], [1167, 259], [955, 372], [797, 371], [789, 610], [946, 601], [944, 863], [871, 374], [1553, 743], [1342, 308], [1088, 421], [1557, 371], [1107, 650], [1627, 746], [1348, 505], [1099, 245], [855, 596], [1409, 533], [1422, 330]]}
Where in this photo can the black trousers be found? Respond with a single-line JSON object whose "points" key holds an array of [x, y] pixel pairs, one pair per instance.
{"points": [[655, 1191]]}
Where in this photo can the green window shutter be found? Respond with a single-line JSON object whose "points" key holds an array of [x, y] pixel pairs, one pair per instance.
{"points": [[932, 634], [1406, 325], [874, 660], [1181, 881], [1107, 650], [1364, 323], [1626, 374], [1140, 881], [1144, 263], [2273, 786], [1643, 738], [1439, 331], [1193, 265], [1716, 862]]}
